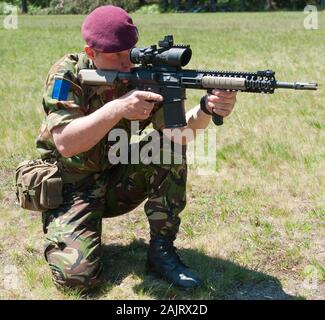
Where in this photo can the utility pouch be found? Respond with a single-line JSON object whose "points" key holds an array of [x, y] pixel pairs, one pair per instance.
{"points": [[39, 185]]}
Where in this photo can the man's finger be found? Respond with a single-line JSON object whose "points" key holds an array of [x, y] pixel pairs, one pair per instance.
{"points": [[222, 113], [224, 93], [226, 106], [152, 97], [213, 98], [148, 105]]}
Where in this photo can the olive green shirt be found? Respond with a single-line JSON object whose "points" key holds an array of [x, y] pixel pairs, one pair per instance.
{"points": [[81, 101]]}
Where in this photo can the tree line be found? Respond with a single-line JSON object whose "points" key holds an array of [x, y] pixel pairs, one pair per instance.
{"points": [[84, 6]]}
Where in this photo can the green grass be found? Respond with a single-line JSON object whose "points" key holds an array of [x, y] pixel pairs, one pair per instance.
{"points": [[255, 229]]}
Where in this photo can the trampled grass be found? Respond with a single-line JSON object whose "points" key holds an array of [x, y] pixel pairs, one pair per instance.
{"points": [[254, 229]]}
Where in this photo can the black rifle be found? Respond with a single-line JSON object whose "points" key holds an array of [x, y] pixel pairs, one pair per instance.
{"points": [[160, 71]]}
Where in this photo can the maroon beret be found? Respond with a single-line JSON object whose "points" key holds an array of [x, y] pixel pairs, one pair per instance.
{"points": [[109, 29]]}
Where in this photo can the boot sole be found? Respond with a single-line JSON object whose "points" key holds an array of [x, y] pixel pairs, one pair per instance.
{"points": [[152, 272]]}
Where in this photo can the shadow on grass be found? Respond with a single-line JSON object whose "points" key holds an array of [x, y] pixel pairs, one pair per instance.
{"points": [[222, 279]]}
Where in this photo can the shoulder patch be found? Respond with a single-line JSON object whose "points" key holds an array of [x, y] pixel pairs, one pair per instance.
{"points": [[60, 89]]}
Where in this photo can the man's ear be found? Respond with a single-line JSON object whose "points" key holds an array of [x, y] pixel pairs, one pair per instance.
{"points": [[89, 52]]}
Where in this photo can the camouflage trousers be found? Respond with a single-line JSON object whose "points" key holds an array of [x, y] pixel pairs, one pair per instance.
{"points": [[73, 231]]}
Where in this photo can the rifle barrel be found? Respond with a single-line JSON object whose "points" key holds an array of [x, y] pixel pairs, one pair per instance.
{"points": [[297, 85]]}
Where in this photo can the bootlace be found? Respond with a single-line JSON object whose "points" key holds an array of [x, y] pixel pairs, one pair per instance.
{"points": [[170, 251]]}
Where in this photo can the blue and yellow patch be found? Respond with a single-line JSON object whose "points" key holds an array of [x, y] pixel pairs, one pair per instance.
{"points": [[61, 89]]}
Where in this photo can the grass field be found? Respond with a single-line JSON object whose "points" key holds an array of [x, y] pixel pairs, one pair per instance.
{"points": [[255, 229]]}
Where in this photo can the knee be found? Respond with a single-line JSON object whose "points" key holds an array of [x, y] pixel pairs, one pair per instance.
{"points": [[84, 277], [71, 270]]}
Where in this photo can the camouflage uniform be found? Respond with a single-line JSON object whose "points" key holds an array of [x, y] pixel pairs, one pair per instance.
{"points": [[94, 188]]}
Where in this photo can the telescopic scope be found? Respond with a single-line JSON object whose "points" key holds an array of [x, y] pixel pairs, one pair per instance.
{"points": [[168, 55]]}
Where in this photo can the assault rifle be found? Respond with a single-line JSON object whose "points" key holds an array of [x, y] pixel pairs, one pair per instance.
{"points": [[160, 71]]}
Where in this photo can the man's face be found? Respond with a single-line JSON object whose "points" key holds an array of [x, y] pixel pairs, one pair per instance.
{"points": [[119, 61]]}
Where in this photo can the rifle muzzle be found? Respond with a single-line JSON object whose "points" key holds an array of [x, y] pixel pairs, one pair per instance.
{"points": [[297, 85]]}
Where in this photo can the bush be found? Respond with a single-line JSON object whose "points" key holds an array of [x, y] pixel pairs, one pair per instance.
{"points": [[155, 6], [149, 9], [38, 10], [5, 8], [85, 6]]}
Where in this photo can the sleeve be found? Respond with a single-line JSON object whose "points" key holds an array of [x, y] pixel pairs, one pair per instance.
{"points": [[63, 97]]}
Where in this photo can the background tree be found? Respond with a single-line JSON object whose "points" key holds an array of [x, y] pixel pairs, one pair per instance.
{"points": [[84, 6], [24, 8], [213, 5], [268, 5]]}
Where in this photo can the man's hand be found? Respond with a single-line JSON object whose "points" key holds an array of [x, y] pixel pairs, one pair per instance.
{"points": [[137, 105], [221, 102]]}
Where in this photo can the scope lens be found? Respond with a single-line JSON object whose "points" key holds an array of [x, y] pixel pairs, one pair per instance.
{"points": [[135, 54], [186, 57]]}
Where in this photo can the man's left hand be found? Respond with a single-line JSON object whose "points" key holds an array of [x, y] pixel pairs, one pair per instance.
{"points": [[221, 102]]}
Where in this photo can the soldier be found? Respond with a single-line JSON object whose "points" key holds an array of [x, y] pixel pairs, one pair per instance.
{"points": [[74, 133]]}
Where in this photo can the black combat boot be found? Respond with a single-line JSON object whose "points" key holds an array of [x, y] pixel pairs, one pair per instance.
{"points": [[163, 261]]}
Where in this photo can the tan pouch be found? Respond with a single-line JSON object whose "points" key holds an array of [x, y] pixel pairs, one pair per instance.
{"points": [[38, 185]]}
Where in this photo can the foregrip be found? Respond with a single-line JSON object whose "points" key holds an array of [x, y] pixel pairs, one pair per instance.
{"points": [[217, 119]]}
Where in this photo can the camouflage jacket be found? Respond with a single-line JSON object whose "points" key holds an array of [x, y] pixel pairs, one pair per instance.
{"points": [[80, 101]]}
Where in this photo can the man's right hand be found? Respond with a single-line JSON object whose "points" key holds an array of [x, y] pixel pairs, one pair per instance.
{"points": [[136, 104]]}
